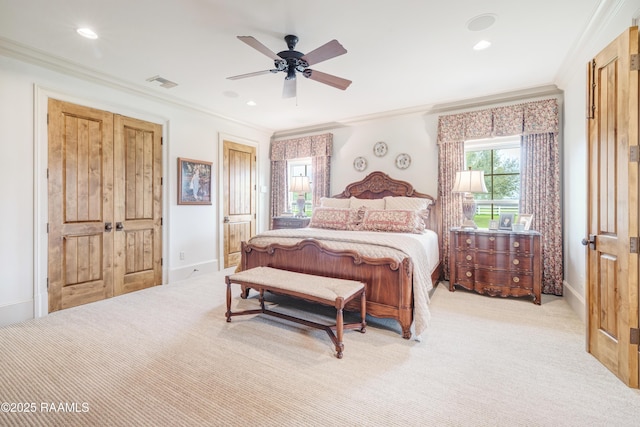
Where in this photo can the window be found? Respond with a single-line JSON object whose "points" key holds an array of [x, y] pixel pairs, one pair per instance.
{"points": [[499, 158], [298, 167]]}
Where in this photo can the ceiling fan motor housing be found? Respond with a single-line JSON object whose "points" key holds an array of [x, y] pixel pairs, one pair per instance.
{"points": [[292, 58]]}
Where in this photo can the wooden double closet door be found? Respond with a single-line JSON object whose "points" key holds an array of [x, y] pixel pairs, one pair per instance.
{"points": [[105, 205]]}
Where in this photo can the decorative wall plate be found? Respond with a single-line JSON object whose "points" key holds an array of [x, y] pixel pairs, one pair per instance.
{"points": [[403, 161], [360, 164], [380, 149]]}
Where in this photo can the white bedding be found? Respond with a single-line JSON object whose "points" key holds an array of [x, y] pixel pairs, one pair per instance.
{"points": [[421, 248]]}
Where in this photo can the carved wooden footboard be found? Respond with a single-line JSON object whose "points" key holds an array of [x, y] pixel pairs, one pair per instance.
{"points": [[389, 283]]}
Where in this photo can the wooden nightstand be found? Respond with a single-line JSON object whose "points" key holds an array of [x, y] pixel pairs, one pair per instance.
{"points": [[290, 222], [496, 263]]}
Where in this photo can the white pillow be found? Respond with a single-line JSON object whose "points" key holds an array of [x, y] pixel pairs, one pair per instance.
{"points": [[366, 203], [406, 203], [332, 202]]}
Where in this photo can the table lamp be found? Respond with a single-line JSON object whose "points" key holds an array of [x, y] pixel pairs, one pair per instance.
{"points": [[301, 185], [468, 182]]}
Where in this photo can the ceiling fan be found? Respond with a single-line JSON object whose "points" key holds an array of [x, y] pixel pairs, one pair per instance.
{"points": [[291, 62]]}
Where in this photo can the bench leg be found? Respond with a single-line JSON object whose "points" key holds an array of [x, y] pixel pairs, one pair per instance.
{"points": [[228, 300], [339, 331], [363, 312]]}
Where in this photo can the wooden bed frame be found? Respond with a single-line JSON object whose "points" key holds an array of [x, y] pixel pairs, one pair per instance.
{"points": [[389, 284]]}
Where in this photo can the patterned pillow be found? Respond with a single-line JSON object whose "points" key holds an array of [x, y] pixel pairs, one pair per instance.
{"points": [[399, 221], [366, 203], [333, 218], [332, 202]]}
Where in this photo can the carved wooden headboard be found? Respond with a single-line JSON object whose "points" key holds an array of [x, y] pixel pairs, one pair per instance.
{"points": [[378, 184]]}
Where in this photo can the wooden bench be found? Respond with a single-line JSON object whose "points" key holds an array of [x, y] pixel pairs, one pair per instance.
{"points": [[323, 290]]}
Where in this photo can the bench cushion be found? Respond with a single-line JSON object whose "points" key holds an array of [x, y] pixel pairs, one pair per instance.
{"points": [[327, 288]]}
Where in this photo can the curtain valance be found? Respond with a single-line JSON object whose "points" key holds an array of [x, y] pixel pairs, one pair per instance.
{"points": [[521, 119], [308, 146]]}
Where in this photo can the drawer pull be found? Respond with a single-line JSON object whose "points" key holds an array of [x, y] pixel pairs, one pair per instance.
{"points": [[469, 274], [468, 241], [492, 238], [469, 257], [516, 262], [516, 244], [516, 279]]}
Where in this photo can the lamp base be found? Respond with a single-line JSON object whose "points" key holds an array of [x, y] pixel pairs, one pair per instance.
{"points": [[301, 201], [469, 211], [469, 223]]}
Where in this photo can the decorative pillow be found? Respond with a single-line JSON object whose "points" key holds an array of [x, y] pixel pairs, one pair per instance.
{"points": [[356, 203], [333, 218], [406, 203], [332, 202], [399, 221]]}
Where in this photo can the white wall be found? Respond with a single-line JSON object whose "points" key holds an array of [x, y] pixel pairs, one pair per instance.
{"points": [[194, 230], [413, 134]]}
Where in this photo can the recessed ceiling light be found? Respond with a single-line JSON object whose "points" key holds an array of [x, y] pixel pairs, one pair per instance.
{"points": [[481, 45], [481, 22], [251, 103], [87, 32]]}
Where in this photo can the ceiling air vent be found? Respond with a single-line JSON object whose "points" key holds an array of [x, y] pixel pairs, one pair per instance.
{"points": [[168, 84]]}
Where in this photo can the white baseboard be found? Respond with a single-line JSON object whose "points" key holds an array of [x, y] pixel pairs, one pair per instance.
{"points": [[192, 270], [575, 300], [15, 313]]}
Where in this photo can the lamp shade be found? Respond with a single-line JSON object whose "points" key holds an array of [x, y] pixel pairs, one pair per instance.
{"points": [[469, 181], [300, 184]]}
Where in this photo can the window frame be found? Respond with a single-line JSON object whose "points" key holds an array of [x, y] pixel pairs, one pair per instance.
{"points": [[498, 143]]}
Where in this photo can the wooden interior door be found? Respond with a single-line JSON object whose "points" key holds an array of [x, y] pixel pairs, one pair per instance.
{"points": [[138, 204], [239, 187], [613, 208], [105, 205], [80, 173]]}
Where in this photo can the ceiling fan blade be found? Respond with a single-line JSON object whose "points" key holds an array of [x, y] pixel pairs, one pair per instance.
{"points": [[259, 46], [326, 51], [289, 89], [328, 79], [256, 73]]}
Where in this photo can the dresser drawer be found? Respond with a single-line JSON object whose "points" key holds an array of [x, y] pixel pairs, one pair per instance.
{"points": [[503, 278], [500, 260], [290, 222]]}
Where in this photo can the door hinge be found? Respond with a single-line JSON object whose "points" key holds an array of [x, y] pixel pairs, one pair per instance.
{"points": [[47, 228], [47, 119], [161, 261], [635, 62], [634, 242], [161, 140], [635, 336], [47, 173], [161, 219], [634, 153], [161, 180], [47, 283]]}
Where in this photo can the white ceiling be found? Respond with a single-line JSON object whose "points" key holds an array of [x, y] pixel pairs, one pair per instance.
{"points": [[402, 54]]}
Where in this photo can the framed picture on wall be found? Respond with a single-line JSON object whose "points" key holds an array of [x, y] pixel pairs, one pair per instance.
{"points": [[194, 182]]}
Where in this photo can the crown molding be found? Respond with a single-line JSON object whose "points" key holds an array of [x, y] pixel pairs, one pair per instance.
{"points": [[43, 59]]}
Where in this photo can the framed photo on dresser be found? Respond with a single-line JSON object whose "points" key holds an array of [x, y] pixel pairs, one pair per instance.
{"points": [[506, 221]]}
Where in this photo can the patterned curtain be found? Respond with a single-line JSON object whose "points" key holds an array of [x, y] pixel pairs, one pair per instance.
{"points": [[319, 148], [537, 123], [540, 196]]}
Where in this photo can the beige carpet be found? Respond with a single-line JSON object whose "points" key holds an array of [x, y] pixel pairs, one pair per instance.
{"points": [[166, 356]]}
